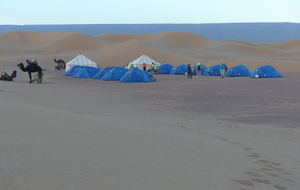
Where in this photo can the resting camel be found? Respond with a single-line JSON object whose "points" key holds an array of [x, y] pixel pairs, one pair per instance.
{"points": [[32, 68], [6, 77], [61, 64]]}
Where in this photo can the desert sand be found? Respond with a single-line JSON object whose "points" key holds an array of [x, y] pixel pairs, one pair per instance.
{"points": [[208, 133]]}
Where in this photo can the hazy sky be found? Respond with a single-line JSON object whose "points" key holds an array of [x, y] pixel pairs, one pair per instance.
{"points": [[27, 12]]}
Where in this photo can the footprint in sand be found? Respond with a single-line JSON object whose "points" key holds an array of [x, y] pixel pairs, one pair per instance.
{"points": [[254, 174], [280, 187], [244, 182], [259, 180], [254, 155]]}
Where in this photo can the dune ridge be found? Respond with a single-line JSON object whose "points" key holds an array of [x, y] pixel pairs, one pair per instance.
{"points": [[173, 47]]}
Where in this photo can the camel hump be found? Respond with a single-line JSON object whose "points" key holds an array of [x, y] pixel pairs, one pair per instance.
{"points": [[33, 61]]}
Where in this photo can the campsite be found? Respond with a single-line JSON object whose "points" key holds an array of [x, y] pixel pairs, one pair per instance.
{"points": [[82, 67], [77, 131]]}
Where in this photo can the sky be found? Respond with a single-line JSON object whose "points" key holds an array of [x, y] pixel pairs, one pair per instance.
{"points": [[43, 12]]}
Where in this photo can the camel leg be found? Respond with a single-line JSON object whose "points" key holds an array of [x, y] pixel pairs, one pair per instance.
{"points": [[30, 80], [40, 78]]}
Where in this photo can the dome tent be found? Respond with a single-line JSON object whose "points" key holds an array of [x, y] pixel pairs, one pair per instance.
{"points": [[102, 72], [115, 74], [71, 71], [179, 70], [212, 71], [238, 71], [266, 71], [85, 72], [136, 75], [165, 69]]}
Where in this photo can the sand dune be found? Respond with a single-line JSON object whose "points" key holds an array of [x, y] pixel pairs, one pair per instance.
{"points": [[207, 133], [118, 49]]}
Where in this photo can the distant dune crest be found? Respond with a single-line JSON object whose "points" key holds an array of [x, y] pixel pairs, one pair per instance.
{"points": [[175, 48], [247, 32]]}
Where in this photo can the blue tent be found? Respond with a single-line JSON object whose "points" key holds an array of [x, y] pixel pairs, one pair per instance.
{"points": [[71, 71], [212, 71], [165, 69], [85, 72], [115, 74], [102, 72], [194, 69], [81, 73], [238, 71], [136, 75], [93, 71], [179, 70], [266, 71]]}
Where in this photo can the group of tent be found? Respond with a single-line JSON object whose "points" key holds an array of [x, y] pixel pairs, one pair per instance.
{"points": [[266, 71], [82, 67], [110, 74]]}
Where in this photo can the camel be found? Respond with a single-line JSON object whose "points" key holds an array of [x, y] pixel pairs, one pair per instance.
{"points": [[4, 76], [61, 64], [32, 68]]}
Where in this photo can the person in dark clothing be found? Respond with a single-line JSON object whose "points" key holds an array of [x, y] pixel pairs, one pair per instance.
{"points": [[189, 71]]}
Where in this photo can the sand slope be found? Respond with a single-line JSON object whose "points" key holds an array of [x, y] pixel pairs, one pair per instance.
{"points": [[119, 49], [207, 133], [89, 134]]}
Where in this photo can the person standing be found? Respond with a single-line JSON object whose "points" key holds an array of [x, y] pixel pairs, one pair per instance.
{"points": [[189, 71], [222, 69], [198, 70], [144, 65], [152, 67]]}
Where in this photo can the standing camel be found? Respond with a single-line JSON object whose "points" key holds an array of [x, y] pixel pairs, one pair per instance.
{"points": [[61, 64], [32, 68]]}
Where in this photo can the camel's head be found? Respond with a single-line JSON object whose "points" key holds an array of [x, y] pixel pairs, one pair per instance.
{"points": [[20, 65]]}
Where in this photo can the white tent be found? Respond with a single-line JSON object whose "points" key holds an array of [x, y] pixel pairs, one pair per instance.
{"points": [[143, 59], [80, 60]]}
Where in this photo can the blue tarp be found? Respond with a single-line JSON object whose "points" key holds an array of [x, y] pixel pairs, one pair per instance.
{"points": [[115, 74], [165, 69], [179, 70], [136, 75], [266, 71], [238, 71]]}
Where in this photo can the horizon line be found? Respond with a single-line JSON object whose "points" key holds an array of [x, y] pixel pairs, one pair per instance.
{"points": [[150, 23]]}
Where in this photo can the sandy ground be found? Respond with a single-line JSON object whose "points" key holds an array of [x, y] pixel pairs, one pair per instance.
{"points": [[206, 133], [176, 133]]}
